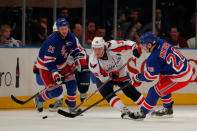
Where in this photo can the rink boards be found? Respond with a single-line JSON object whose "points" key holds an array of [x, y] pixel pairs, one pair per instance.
{"points": [[10, 68]]}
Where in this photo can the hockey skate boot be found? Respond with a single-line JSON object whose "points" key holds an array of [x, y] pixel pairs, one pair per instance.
{"points": [[56, 105], [76, 111], [138, 115], [83, 97], [125, 113], [164, 112], [38, 104], [72, 109]]}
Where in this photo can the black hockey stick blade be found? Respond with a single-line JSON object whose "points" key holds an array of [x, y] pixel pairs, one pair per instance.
{"points": [[22, 102], [16, 100], [66, 114]]}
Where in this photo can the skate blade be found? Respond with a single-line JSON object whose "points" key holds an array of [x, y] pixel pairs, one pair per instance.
{"points": [[162, 117], [54, 109]]}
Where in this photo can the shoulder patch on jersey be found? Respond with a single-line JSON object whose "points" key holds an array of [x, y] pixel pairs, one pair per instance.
{"points": [[51, 49]]}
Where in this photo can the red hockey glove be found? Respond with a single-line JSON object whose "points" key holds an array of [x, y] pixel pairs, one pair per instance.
{"points": [[135, 81], [57, 77], [137, 51], [114, 75]]}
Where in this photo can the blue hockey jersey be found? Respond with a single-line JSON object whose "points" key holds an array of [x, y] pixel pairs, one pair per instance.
{"points": [[55, 50], [165, 60]]}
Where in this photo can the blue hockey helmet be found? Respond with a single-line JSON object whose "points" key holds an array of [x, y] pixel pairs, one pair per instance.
{"points": [[148, 37], [61, 22]]}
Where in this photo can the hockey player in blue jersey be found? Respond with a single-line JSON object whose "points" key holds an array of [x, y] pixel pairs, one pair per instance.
{"points": [[52, 61], [80, 79], [171, 68]]}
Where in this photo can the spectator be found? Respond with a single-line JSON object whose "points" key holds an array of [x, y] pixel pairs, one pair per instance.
{"points": [[39, 31], [90, 33], [6, 39], [100, 31], [191, 42], [190, 28], [122, 18], [175, 39], [161, 24], [64, 13], [77, 30], [44, 24], [118, 34], [157, 33], [133, 22], [133, 35]]}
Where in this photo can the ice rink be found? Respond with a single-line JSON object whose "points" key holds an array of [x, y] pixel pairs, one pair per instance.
{"points": [[97, 119]]}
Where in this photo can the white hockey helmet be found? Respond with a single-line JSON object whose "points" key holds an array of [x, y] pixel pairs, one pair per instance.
{"points": [[98, 42], [54, 27]]}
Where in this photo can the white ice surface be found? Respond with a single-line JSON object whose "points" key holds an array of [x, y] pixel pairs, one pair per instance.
{"points": [[97, 119]]}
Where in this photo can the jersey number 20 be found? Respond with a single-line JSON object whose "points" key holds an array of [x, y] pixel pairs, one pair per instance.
{"points": [[171, 58]]}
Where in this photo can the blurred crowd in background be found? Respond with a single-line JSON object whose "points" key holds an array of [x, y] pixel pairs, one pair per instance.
{"points": [[175, 22]]}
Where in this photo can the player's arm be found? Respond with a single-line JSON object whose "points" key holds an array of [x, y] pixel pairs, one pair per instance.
{"points": [[147, 76], [79, 56], [121, 45]]}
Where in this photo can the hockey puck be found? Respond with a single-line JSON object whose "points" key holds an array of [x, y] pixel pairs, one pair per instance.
{"points": [[44, 117]]}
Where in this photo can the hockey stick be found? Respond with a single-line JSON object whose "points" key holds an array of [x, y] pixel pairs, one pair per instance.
{"points": [[98, 89], [24, 102], [70, 115]]}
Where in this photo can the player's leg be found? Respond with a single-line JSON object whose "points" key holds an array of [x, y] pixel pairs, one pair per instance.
{"points": [[131, 92], [114, 100], [59, 100], [47, 94], [164, 88], [167, 109], [71, 87], [83, 83], [57, 104]]}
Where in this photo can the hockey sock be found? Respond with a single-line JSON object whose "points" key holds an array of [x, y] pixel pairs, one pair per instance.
{"points": [[150, 101], [49, 94], [140, 100], [116, 103], [71, 87], [167, 100]]}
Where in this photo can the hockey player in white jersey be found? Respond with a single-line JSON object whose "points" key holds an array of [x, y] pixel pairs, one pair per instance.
{"points": [[105, 63]]}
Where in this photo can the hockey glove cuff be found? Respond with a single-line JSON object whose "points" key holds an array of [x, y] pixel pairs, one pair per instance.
{"points": [[136, 81], [57, 77]]}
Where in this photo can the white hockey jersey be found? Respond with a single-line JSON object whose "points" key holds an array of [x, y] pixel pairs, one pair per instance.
{"points": [[101, 68]]}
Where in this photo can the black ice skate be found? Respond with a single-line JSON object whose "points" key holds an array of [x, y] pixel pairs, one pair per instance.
{"points": [[73, 110], [83, 97], [38, 104], [76, 111], [138, 115], [164, 112], [125, 113], [56, 105]]}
